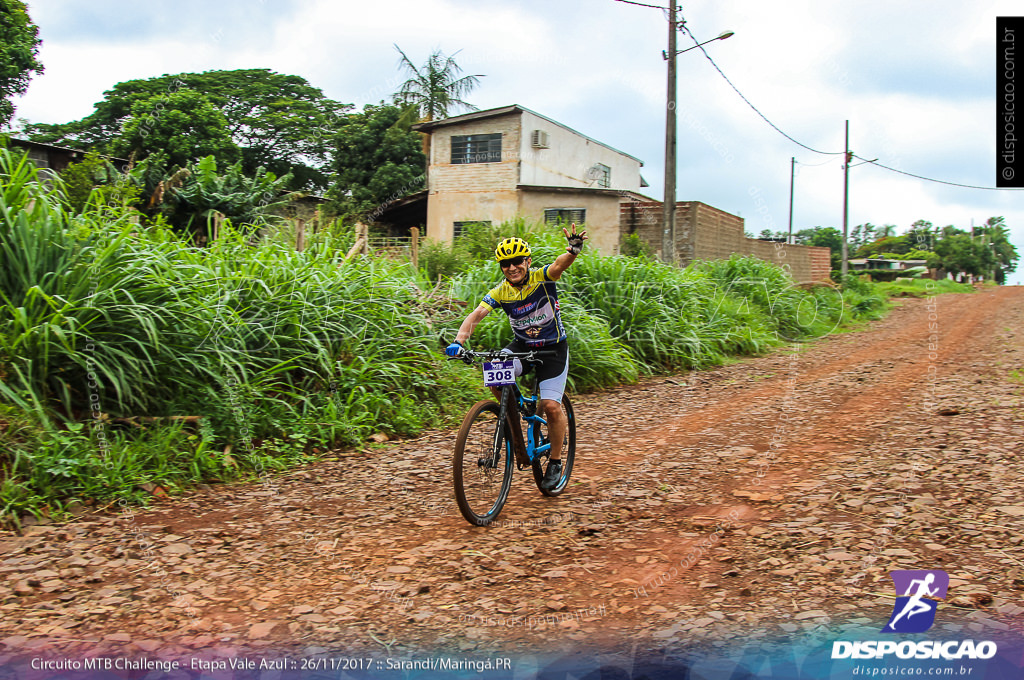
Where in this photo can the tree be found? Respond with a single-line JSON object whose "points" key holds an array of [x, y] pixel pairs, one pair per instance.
{"points": [[376, 160], [961, 253], [19, 46], [896, 245], [82, 178], [1004, 254], [277, 121], [435, 88], [185, 125], [921, 235]]}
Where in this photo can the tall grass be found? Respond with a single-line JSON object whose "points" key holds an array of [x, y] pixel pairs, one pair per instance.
{"points": [[284, 354], [274, 349]]}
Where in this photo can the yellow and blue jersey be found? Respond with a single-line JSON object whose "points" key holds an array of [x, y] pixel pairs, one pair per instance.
{"points": [[532, 309]]}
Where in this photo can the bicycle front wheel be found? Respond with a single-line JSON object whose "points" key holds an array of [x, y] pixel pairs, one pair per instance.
{"points": [[482, 464], [542, 437]]}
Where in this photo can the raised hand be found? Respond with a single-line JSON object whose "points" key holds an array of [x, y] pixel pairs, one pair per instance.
{"points": [[575, 240]]}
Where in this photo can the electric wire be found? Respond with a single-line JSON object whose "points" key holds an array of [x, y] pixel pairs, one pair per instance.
{"points": [[764, 117], [816, 165], [641, 4], [867, 161], [932, 179], [698, 45]]}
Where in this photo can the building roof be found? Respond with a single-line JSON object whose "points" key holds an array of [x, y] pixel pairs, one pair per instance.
{"points": [[28, 143], [431, 125], [17, 141]]}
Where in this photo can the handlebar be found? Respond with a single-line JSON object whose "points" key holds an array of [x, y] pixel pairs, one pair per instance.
{"points": [[469, 356]]}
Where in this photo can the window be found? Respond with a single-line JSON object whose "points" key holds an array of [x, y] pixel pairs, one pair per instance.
{"points": [[459, 228], [602, 173], [565, 216], [476, 148]]}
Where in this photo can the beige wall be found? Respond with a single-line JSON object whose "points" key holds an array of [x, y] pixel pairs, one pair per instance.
{"points": [[602, 214], [569, 158], [489, 191], [446, 208], [472, 191], [475, 176]]}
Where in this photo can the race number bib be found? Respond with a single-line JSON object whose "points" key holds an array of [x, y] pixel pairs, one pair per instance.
{"points": [[498, 373]]}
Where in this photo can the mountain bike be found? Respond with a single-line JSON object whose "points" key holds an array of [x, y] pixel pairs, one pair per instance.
{"points": [[485, 448]]}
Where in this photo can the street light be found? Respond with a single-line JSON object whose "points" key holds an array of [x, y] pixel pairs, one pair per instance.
{"points": [[721, 36], [668, 236]]}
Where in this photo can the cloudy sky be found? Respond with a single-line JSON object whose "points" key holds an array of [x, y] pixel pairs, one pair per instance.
{"points": [[915, 78]]}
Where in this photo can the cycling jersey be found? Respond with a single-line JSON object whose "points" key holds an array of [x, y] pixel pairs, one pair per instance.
{"points": [[532, 309]]}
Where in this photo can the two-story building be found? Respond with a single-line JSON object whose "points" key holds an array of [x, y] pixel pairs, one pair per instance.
{"points": [[495, 165]]}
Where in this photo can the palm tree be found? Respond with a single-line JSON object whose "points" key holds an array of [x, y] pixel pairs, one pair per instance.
{"points": [[432, 91], [436, 87]]}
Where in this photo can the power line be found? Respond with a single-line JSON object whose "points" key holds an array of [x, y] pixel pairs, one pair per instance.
{"points": [[698, 45], [873, 161], [736, 89], [931, 179], [641, 4], [816, 165]]}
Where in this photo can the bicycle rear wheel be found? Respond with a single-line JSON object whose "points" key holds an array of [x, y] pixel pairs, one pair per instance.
{"points": [[540, 435], [482, 464]]}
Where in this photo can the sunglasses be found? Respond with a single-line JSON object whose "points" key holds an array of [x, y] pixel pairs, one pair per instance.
{"points": [[512, 262]]}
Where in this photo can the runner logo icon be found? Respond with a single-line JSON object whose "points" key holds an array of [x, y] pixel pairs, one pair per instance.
{"points": [[912, 613]]}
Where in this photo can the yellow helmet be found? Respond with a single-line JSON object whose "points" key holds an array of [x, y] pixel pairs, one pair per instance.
{"points": [[511, 247]]}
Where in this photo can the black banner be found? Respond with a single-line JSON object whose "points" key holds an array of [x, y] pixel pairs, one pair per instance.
{"points": [[1009, 151]]}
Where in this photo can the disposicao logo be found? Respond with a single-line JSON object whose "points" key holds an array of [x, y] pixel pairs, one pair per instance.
{"points": [[912, 613]]}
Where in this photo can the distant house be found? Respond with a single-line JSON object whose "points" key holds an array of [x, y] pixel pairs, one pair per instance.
{"points": [[51, 159], [494, 165], [861, 263]]}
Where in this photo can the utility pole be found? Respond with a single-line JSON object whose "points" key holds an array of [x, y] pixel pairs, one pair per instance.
{"points": [[846, 202], [792, 172], [668, 236]]}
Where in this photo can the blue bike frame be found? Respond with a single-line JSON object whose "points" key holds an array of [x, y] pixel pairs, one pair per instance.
{"points": [[532, 450], [524, 406]]}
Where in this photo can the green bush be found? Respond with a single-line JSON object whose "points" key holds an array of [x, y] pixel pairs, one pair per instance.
{"points": [[439, 261], [922, 288], [634, 246]]}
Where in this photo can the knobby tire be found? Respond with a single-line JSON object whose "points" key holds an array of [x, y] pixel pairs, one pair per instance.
{"points": [[482, 472]]}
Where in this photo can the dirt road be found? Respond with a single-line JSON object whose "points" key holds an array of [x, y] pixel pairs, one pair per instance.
{"points": [[767, 499]]}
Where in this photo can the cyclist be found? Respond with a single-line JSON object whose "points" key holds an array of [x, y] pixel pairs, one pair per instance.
{"points": [[530, 299]]}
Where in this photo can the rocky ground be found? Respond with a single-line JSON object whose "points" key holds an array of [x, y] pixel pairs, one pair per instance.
{"points": [[762, 501]]}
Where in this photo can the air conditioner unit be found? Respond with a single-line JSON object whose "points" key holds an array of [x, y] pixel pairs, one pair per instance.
{"points": [[539, 139]]}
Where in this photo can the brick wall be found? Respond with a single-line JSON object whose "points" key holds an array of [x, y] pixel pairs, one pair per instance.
{"points": [[707, 233], [475, 177], [821, 263], [637, 216]]}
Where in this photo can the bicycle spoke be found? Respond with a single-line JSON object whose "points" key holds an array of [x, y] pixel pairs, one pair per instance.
{"points": [[482, 465]]}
